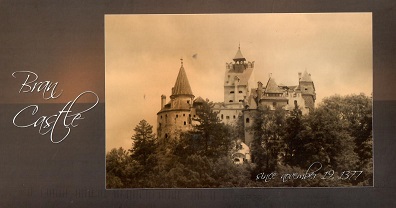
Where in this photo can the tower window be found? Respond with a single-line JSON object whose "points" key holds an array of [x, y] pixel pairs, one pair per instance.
{"points": [[247, 120], [231, 101], [222, 116], [184, 123], [231, 92], [184, 114], [177, 116], [306, 88], [161, 117], [240, 91], [188, 101], [234, 116]]}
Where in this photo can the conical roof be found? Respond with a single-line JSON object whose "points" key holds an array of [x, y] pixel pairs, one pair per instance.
{"points": [[272, 87], [306, 77], [182, 86], [239, 56], [199, 100]]}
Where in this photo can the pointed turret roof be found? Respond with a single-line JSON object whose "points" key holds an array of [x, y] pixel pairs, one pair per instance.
{"points": [[272, 87], [306, 77], [239, 56], [182, 86]]}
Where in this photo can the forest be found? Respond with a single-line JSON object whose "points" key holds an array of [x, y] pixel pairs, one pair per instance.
{"points": [[332, 146]]}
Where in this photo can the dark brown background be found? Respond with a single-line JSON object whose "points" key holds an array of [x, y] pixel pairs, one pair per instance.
{"points": [[64, 41]]}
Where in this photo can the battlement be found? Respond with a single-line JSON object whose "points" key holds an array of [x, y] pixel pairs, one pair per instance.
{"points": [[233, 65]]}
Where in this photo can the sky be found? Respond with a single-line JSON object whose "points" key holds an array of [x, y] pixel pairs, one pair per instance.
{"points": [[143, 52]]}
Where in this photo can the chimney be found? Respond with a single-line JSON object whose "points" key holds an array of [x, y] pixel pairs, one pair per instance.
{"points": [[259, 90], [163, 101]]}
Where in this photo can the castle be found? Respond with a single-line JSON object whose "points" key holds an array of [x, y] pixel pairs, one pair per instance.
{"points": [[242, 97]]}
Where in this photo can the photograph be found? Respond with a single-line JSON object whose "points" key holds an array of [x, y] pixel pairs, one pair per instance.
{"points": [[238, 100]]}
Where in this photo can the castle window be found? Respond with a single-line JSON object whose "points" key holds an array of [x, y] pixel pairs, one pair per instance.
{"points": [[222, 116], [240, 91], [234, 116], [166, 136], [232, 92], [184, 114], [247, 120], [188, 101], [161, 117], [240, 101], [184, 123], [194, 116], [189, 115], [177, 116], [231, 101], [306, 88], [227, 117]]}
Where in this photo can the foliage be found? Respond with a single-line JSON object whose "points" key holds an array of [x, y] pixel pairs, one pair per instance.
{"points": [[144, 145], [338, 134], [209, 137], [268, 142]]}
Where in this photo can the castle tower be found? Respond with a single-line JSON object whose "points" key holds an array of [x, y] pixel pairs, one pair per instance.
{"points": [[307, 88], [238, 80], [175, 116]]}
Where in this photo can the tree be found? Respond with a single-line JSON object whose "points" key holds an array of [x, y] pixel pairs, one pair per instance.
{"points": [[356, 112], [209, 137], [120, 169], [144, 145], [294, 139], [267, 144]]}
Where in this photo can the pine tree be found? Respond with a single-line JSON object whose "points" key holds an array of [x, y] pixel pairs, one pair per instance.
{"points": [[144, 145]]}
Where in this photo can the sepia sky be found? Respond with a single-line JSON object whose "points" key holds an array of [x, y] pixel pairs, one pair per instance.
{"points": [[143, 54]]}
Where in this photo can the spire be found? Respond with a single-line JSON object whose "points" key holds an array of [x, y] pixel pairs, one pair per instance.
{"points": [[306, 77], [238, 55], [182, 86], [272, 87]]}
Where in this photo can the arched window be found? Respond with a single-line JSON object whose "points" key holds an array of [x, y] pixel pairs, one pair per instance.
{"points": [[185, 123], [247, 120]]}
